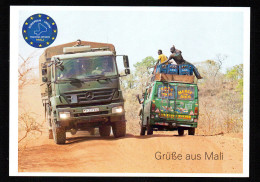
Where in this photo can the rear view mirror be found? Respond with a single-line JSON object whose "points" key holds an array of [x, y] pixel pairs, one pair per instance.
{"points": [[127, 71], [138, 98], [126, 62], [44, 79]]}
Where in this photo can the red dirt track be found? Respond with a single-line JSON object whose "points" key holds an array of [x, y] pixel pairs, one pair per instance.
{"points": [[131, 154]]}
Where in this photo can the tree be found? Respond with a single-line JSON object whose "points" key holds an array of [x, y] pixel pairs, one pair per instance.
{"points": [[26, 70], [143, 71], [235, 76]]}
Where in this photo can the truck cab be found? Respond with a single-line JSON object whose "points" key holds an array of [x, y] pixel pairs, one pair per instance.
{"points": [[83, 92], [169, 106]]}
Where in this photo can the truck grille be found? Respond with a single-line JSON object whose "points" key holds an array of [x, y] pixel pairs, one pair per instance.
{"points": [[92, 96], [91, 113]]}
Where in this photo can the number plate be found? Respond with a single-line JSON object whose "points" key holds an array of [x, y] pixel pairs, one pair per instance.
{"points": [[90, 110]]}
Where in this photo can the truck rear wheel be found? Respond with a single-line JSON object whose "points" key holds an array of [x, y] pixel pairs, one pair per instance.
{"points": [[191, 131], [180, 131], [149, 127], [119, 129], [104, 130], [59, 134]]}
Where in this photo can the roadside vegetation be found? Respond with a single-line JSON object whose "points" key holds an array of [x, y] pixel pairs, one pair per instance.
{"points": [[220, 97], [29, 126]]}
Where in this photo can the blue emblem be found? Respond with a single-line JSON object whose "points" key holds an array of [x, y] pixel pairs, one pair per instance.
{"points": [[39, 30]]}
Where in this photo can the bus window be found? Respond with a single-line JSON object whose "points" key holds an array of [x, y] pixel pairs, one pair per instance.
{"points": [[185, 93], [165, 92]]}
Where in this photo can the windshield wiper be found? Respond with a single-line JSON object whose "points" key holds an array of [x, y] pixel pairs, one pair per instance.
{"points": [[72, 80], [101, 77]]}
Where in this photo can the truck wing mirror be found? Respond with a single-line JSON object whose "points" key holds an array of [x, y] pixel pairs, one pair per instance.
{"points": [[44, 71], [138, 98], [126, 62], [127, 71], [44, 79]]}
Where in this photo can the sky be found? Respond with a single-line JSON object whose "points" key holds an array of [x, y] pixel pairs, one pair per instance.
{"points": [[139, 33]]}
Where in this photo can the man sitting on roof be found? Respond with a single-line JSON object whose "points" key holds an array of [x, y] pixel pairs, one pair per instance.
{"points": [[177, 57], [78, 43]]}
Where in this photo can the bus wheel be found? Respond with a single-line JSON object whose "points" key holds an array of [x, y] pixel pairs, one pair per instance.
{"points": [[191, 131], [149, 127], [180, 131], [142, 130]]}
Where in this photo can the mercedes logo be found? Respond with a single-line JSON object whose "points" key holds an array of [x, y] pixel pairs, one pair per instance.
{"points": [[89, 95]]}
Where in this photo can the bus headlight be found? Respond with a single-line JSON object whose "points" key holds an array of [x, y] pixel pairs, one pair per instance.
{"points": [[64, 115], [118, 109]]}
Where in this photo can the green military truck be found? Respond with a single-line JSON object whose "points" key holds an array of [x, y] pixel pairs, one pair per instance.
{"points": [[170, 105], [80, 89]]}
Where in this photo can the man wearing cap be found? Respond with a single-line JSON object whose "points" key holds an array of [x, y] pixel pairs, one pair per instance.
{"points": [[78, 43], [177, 57]]}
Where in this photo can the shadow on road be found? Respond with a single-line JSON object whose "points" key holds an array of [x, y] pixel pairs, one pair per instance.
{"points": [[78, 139]]}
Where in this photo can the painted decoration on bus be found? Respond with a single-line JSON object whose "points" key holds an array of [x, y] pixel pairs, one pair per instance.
{"points": [[180, 110], [166, 109], [185, 93], [172, 116], [165, 92]]}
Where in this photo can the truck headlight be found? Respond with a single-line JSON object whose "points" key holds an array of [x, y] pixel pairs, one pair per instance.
{"points": [[117, 109], [64, 115]]}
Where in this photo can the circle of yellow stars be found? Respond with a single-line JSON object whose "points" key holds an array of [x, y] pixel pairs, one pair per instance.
{"points": [[55, 31]]}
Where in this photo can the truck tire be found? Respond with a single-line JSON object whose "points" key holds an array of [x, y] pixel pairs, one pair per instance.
{"points": [[104, 130], [50, 134], [149, 127], [59, 134], [191, 131], [143, 128], [180, 131], [142, 132], [119, 129]]}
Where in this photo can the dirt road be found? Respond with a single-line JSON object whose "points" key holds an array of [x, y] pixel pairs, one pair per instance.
{"points": [[133, 153], [83, 153]]}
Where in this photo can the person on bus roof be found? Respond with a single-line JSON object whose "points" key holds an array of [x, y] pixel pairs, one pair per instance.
{"points": [[177, 57], [161, 57], [78, 43]]}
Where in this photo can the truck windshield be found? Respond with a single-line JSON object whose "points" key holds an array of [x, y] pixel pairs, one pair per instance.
{"points": [[80, 68]]}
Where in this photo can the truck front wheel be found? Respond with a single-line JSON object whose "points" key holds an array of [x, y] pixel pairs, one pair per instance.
{"points": [[59, 134], [119, 129], [149, 127], [104, 130], [191, 131]]}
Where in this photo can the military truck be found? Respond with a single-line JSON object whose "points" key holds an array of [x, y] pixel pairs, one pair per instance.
{"points": [[80, 89], [170, 103]]}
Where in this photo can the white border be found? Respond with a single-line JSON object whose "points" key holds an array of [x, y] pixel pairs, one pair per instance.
{"points": [[13, 132]]}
